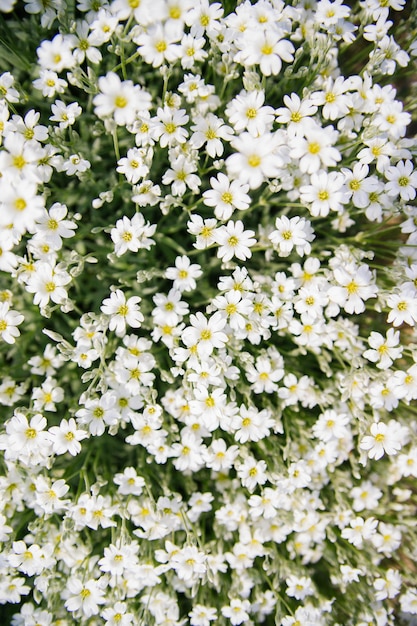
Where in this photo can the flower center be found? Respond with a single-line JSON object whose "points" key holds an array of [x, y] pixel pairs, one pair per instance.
{"points": [[120, 102], [314, 147], [161, 46]]}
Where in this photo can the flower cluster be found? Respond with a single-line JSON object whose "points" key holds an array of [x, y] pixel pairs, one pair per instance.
{"points": [[208, 252]]}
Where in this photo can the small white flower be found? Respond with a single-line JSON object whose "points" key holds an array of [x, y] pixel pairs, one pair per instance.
{"points": [[294, 232], [66, 437], [9, 321], [226, 196], [122, 312], [233, 241], [384, 439]]}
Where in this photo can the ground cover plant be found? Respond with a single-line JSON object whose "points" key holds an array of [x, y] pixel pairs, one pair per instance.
{"points": [[208, 301]]}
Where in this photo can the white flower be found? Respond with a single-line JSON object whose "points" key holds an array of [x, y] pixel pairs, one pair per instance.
{"points": [[44, 397], [66, 437], [247, 112], [75, 164], [359, 186], [182, 176], [202, 615], [48, 283], [122, 312], [233, 241], [408, 601], [264, 48], [28, 439], [184, 274], [167, 127], [384, 439], [133, 165], [9, 321], [65, 114], [384, 350], [83, 596], [83, 43], [170, 309], [389, 586], [236, 611], [31, 560], [403, 307], [48, 495], [206, 334], [360, 530], [226, 196], [388, 539], [7, 89], [56, 55], [235, 307], [129, 482], [252, 473], [255, 159], [117, 615], [402, 180], [299, 587], [296, 114], [49, 83], [120, 99], [210, 130], [333, 98], [54, 227], [316, 149], [251, 424], [159, 44], [204, 230], [99, 413], [189, 564], [132, 234], [265, 374], [355, 284], [294, 232], [324, 194]]}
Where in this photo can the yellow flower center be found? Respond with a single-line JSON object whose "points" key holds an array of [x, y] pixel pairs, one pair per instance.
{"points": [[19, 162], [227, 197], [120, 102], [175, 12], [254, 160], [161, 46], [314, 147], [170, 128], [231, 309], [352, 287]]}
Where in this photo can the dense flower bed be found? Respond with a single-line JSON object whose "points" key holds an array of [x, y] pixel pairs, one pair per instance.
{"points": [[208, 303]]}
